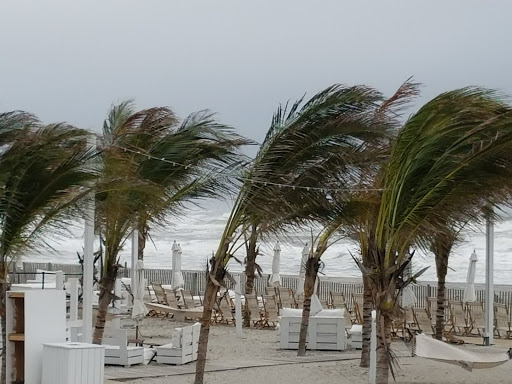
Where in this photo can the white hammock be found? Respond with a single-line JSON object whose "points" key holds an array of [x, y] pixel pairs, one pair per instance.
{"points": [[429, 348]]}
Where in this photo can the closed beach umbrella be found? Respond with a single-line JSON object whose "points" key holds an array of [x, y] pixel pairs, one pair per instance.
{"points": [[316, 305], [469, 292], [139, 309], [275, 278], [177, 281], [302, 269], [408, 297]]}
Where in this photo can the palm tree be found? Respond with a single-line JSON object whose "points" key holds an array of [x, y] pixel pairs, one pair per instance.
{"points": [[303, 154], [434, 161], [152, 165], [44, 171]]}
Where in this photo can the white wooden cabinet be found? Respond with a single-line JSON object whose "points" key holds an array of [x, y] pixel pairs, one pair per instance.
{"points": [[33, 317]]}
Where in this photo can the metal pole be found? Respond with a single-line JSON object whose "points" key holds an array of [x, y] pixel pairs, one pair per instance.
{"points": [[489, 283], [373, 350], [135, 257], [88, 266]]}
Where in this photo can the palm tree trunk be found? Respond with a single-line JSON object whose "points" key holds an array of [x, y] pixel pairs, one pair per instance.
{"points": [[440, 308], [209, 299], [367, 323], [210, 295], [250, 272], [106, 294], [441, 247], [143, 235], [312, 266], [383, 356], [3, 292]]}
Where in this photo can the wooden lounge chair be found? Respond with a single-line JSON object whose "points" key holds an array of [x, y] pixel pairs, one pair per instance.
{"points": [[284, 297], [252, 304], [432, 308], [171, 299], [160, 294], [225, 310], [457, 317], [299, 300], [187, 299], [476, 317], [357, 299], [179, 314], [422, 321], [337, 300], [271, 310], [501, 315]]}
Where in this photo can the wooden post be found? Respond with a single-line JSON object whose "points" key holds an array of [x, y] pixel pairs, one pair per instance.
{"points": [[88, 269], [489, 284], [59, 280], [135, 257], [73, 309]]}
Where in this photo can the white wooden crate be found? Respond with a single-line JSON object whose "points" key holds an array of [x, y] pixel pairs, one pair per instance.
{"points": [[184, 347], [77, 363], [356, 336], [326, 331]]}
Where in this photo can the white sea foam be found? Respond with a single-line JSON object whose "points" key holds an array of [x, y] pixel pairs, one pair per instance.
{"points": [[199, 232]]}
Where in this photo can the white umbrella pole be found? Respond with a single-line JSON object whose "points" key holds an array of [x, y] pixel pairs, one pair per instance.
{"points": [[489, 283], [135, 257], [88, 271]]}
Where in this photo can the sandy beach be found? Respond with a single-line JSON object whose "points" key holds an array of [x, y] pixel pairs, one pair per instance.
{"points": [[256, 359]]}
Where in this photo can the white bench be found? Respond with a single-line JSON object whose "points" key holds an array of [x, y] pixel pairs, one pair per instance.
{"points": [[326, 330], [183, 349], [117, 351]]}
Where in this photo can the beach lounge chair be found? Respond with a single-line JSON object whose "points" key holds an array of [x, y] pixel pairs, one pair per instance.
{"points": [[179, 314], [337, 300], [501, 315], [422, 321], [225, 310], [476, 317], [299, 300], [406, 325], [285, 297], [253, 306], [160, 294], [271, 310], [183, 348], [457, 321], [432, 307], [186, 299], [357, 300], [172, 300], [117, 351]]}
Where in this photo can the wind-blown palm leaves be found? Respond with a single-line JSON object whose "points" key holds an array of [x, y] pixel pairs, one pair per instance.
{"points": [[152, 166], [308, 150], [43, 171], [458, 144], [347, 208]]}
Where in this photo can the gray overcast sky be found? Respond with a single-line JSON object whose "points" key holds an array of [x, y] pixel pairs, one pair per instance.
{"points": [[70, 60]]}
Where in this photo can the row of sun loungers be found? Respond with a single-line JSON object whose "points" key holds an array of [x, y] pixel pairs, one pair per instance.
{"points": [[460, 318], [463, 319]]}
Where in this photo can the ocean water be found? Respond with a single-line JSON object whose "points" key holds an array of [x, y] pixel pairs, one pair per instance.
{"points": [[199, 231]]}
